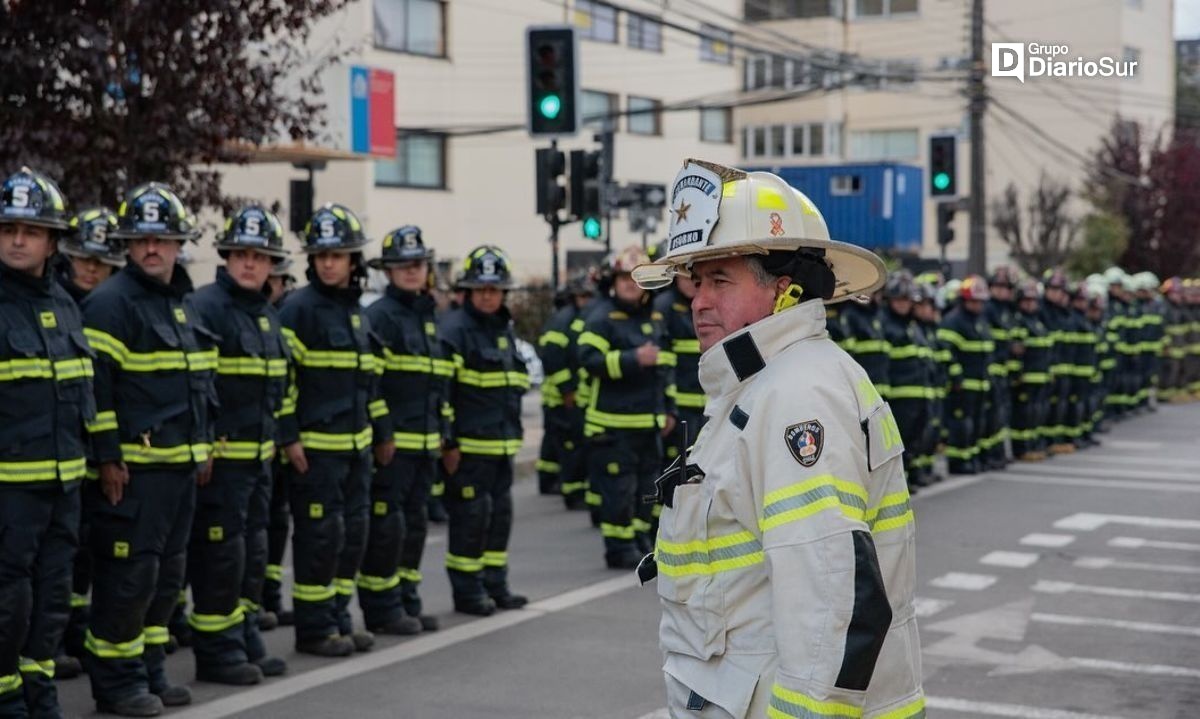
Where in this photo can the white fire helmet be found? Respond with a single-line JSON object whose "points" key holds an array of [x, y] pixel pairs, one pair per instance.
{"points": [[719, 211]]}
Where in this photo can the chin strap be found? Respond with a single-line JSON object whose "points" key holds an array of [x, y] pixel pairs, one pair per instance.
{"points": [[790, 297]]}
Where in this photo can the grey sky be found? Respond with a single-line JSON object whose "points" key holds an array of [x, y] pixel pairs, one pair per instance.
{"points": [[1187, 19]]}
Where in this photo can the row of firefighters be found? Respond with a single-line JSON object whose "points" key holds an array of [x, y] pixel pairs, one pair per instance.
{"points": [[157, 436]]}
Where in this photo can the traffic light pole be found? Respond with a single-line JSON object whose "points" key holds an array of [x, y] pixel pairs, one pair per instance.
{"points": [[552, 218], [977, 247]]}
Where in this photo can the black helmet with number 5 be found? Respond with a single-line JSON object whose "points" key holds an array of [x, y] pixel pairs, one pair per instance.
{"points": [[30, 198], [93, 235], [486, 266], [154, 210], [333, 228], [253, 228], [402, 245]]}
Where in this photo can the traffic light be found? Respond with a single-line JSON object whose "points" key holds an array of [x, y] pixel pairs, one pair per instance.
{"points": [[551, 195], [552, 81], [945, 222], [942, 176], [586, 191]]}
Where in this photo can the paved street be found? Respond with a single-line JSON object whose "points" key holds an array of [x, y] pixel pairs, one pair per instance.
{"points": [[1064, 590]]}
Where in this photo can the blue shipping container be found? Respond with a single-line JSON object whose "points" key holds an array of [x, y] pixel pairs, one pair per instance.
{"points": [[874, 205]]}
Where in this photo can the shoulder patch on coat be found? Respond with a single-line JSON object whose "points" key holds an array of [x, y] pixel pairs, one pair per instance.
{"points": [[739, 417], [805, 440]]}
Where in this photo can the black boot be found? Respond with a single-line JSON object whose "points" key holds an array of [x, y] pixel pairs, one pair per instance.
{"points": [[66, 667], [400, 626], [271, 666], [134, 705], [172, 695], [236, 675], [479, 607], [331, 646]]}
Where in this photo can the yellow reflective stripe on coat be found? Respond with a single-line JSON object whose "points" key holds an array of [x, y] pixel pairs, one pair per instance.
{"points": [[489, 447], [10, 683], [337, 442], [804, 499], [894, 511], [685, 347], [44, 667], [416, 363], [213, 623], [591, 339], [612, 362], [495, 559], [102, 341], [711, 556], [179, 454], [46, 470], [788, 704], [554, 337], [337, 359], [104, 421], [976, 385], [492, 380], [343, 586], [417, 440], [625, 421], [243, 451], [964, 344], [255, 366], [377, 408], [114, 650], [690, 400]]}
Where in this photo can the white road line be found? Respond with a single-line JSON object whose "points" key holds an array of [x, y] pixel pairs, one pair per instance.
{"points": [[1111, 459], [1125, 473], [1054, 541], [964, 581], [1087, 521], [1017, 711], [1019, 560], [1145, 627], [1049, 587], [361, 664], [925, 607], [1100, 483], [1113, 563], [949, 486], [1131, 444], [1139, 543], [1162, 670]]}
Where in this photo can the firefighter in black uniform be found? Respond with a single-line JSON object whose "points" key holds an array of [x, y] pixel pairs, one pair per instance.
{"points": [[675, 305], [280, 284], [910, 388], [152, 440], [631, 408], [485, 435], [87, 256], [1000, 313], [1031, 381], [964, 330], [227, 555], [336, 412], [864, 340], [415, 385], [46, 390], [935, 360], [558, 464], [1086, 368], [1056, 313], [1176, 326]]}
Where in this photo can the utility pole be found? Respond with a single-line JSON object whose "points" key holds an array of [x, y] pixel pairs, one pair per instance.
{"points": [[552, 218], [977, 238]]}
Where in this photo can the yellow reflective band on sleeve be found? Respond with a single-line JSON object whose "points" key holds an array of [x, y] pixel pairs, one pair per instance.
{"points": [[489, 447], [612, 363], [337, 442], [104, 342], [548, 467], [243, 451], [213, 623], [377, 584], [114, 650], [493, 380], [554, 337], [685, 347], [274, 572], [592, 499], [179, 454], [868, 394], [591, 339], [105, 421], [905, 352], [254, 366], [719, 554], [788, 704], [157, 635], [894, 511], [377, 408], [867, 346], [616, 531], [690, 400], [416, 441], [45, 667], [962, 343], [463, 564], [804, 499], [495, 559], [666, 359], [976, 385], [313, 592]]}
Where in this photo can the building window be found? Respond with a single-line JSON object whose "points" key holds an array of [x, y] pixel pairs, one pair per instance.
{"points": [[420, 162], [784, 9], [716, 44], [842, 185], [884, 145], [644, 33], [412, 26], [716, 124], [814, 139], [598, 109], [776, 71], [596, 21], [777, 140], [884, 8], [645, 116]]}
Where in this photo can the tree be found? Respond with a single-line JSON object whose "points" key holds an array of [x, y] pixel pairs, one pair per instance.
{"points": [[1155, 190], [1105, 238], [1044, 235], [103, 95]]}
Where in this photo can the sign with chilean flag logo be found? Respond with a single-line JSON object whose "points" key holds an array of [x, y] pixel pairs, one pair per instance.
{"points": [[372, 111]]}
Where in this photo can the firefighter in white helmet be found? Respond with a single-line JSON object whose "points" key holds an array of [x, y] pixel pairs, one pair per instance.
{"points": [[785, 551]]}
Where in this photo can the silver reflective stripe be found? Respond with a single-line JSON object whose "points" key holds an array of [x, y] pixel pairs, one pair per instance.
{"points": [[813, 495]]}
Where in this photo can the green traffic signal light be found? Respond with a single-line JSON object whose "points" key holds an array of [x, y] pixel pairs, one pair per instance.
{"points": [[550, 106], [941, 180], [591, 228]]}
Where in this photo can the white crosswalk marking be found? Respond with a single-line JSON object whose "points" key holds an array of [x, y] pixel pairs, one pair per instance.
{"points": [[1049, 587], [1098, 483], [1161, 670], [1087, 521], [925, 607], [1111, 563], [1146, 627], [1124, 473], [1047, 540], [964, 581], [1010, 559], [1139, 543]]}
